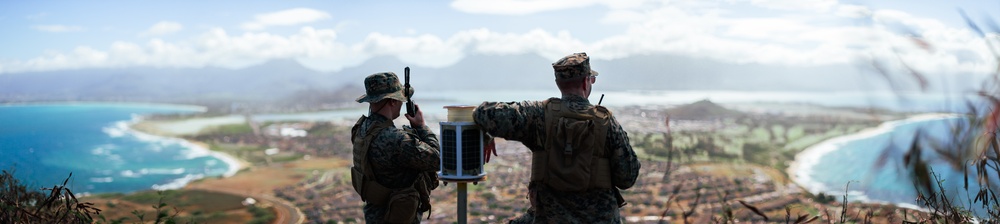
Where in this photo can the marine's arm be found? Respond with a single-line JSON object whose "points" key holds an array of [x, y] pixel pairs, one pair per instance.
{"points": [[419, 128], [518, 121], [419, 149], [624, 163]]}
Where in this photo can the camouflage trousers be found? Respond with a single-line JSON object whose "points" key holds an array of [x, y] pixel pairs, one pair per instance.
{"points": [[375, 214]]}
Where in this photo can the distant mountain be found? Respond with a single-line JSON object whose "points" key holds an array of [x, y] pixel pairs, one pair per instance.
{"points": [[267, 81], [701, 110], [516, 72], [672, 72], [287, 80]]}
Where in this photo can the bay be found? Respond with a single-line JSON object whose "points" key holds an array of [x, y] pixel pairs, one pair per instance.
{"points": [[44, 143]]}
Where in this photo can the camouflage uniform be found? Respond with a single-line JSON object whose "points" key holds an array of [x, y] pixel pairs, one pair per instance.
{"points": [[397, 156], [525, 122]]}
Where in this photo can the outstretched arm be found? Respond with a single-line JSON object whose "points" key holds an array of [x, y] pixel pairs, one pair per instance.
{"points": [[518, 121]]}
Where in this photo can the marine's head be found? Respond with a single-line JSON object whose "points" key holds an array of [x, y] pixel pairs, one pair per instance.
{"points": [[383, 85], [574, 66], [381, 90], [573, 74]]}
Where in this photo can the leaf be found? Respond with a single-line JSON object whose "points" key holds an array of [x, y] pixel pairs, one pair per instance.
{"points": [[754, 209], [67, 179], [992, 25], [920, 42], [979, 196], [970, 23], [814, 218], [883, 157], [801, 219], [788, 213], [920, 77], [965, 171], [996, 144]]}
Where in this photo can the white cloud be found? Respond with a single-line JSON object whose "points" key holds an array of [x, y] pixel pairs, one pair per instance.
{"points": [[811, 5], [800, 40], [691, 28], [853, 11], [899, 38], [317, 48], [57, 28], [522, 7], [285, 18], [517, 7], [162, 28]]}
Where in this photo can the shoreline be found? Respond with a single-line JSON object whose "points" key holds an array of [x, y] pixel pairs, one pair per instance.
{"points": [[191, 126], [800, 168], [198, 149]]}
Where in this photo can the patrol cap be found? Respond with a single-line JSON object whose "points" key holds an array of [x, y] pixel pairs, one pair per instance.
{"points": [[382, 85], [573, 66]]}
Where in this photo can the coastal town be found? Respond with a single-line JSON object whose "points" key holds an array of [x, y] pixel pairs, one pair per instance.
{"points": [[701, 163]]}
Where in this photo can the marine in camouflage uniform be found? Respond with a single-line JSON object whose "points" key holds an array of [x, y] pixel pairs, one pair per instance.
{"points": [[525, 122], [399, 158]]}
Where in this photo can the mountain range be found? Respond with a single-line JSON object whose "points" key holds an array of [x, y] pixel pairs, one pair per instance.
{"points": [[286, 79]]}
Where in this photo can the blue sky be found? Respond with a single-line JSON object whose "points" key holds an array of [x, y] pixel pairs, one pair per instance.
{"points": [[331, 35]]}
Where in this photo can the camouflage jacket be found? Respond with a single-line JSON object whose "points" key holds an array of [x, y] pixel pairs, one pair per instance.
{"points": [[525, 122], [397, 156]]}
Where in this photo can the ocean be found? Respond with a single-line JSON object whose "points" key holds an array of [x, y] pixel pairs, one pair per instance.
{"points": [[850, 165], [44, 143]]}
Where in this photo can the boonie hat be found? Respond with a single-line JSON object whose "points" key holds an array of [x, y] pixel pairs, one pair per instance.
{"points": [[382, 85]]}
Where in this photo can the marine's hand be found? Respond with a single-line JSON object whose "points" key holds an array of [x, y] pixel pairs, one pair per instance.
{"points": [[417, 120], [489, 150]]}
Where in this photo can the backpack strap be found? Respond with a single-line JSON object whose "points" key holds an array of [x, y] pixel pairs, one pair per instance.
{"points": [[362, 175]]}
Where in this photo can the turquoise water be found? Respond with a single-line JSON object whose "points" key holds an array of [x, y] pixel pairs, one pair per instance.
{"points": [[45, 143], [828, 167]]}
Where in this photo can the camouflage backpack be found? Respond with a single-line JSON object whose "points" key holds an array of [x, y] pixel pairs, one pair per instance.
{"points": [[574, 158]]}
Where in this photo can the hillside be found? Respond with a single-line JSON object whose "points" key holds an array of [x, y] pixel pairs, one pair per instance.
{"points": [[701, 110]]}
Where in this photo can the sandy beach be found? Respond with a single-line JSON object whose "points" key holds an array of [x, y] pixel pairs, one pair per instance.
{"points": [[800, 168], [153, 131]]}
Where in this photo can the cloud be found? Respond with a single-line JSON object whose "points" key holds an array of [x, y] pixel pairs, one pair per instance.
{"points": [[693, 28], [517, 7], [162, 28], [317, 48], [927, 45], [853, 11], [810, 5], [285, 18], [57, 28]]}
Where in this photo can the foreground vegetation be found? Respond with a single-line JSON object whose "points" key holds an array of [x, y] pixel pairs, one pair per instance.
{"points": [[973, 146], [58, 204]]}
